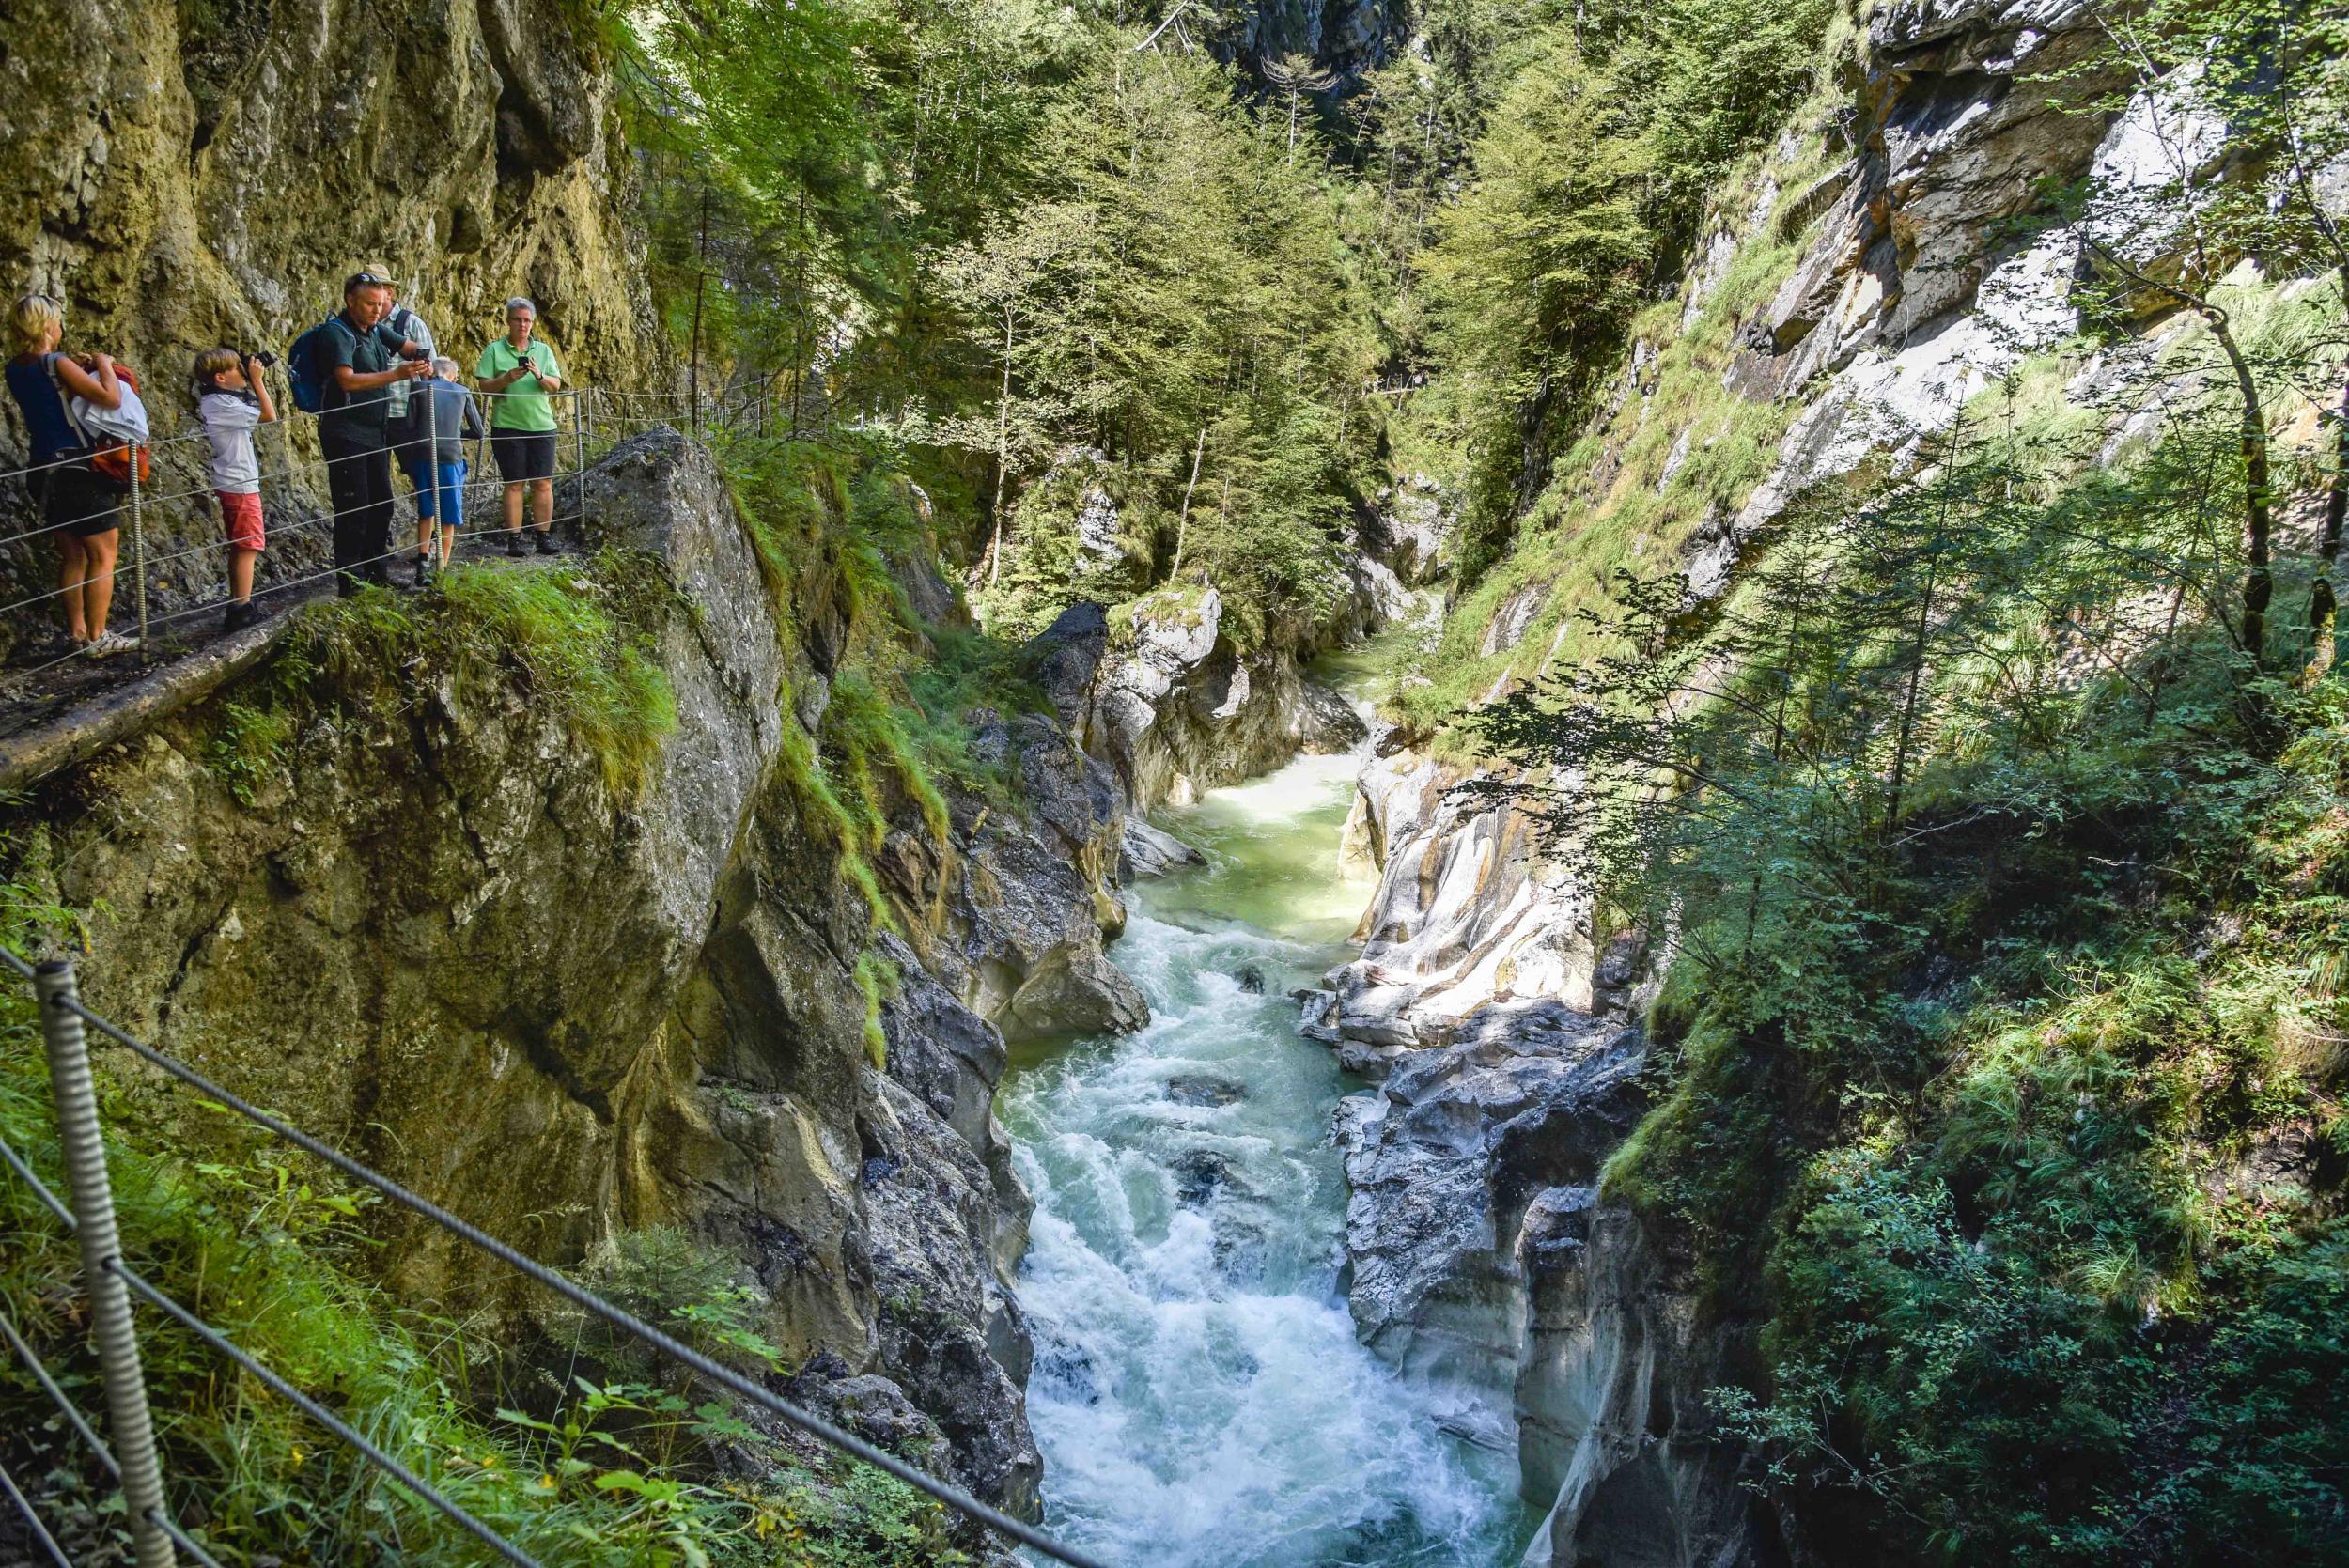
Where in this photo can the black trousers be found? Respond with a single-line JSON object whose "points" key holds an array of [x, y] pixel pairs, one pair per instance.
{"points": [[360, 485]]}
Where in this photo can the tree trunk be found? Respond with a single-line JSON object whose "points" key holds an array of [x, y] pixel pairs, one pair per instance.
{"points": [[799, 322], [1002, 457], [2259, 582], [1924, 629], [1182, 521], [701, 284], [2324, 606]]}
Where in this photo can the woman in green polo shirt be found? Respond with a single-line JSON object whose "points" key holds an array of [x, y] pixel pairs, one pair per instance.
{"points": [[518, 373]]}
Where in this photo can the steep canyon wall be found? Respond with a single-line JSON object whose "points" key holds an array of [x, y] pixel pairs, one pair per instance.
{"points": [[1905, 261]]}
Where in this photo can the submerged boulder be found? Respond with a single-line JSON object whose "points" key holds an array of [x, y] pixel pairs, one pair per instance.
{"points": [[1153, 852]]}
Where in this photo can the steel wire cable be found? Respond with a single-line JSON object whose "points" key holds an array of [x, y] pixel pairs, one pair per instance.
{"points": [[32, 1520], [579, 1296], [66, 1407], [320, 1413]]}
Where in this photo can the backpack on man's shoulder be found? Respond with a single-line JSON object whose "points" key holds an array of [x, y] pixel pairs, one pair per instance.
{"points": [[310, 363]]}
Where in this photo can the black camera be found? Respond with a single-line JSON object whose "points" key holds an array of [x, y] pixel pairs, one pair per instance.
{"points": [[268, 360]]}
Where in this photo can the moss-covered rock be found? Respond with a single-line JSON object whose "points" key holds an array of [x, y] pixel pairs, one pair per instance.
{"points": [[391, 886]]}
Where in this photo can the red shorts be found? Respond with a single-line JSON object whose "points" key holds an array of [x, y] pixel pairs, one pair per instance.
{"points": [[240, 517]]}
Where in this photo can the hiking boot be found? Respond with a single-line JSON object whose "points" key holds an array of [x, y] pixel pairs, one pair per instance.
{"points": [[546, 544], [424, 571], [110, 645], [239, 616], [514, 544]]}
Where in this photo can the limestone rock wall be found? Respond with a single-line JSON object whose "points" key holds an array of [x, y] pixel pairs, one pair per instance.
{"points": [[439, 940], [1162, 697], [1346, 38], [1470, 914], [1928, 272], [183, 176]]}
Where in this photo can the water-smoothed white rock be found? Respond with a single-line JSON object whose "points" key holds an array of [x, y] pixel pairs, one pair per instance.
{"points": [[1613, 1428], [1479, 1251], [1469, 912], [1163, 696], [1442, 1160]]}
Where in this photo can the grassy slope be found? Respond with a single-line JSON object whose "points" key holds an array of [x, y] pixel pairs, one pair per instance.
{"points": [[1579, 530]]}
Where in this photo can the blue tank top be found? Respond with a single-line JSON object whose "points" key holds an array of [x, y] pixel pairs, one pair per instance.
{"points": [[35, 388]]}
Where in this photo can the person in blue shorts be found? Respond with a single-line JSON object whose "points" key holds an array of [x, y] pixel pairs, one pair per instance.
{"points": [[440, 419]]}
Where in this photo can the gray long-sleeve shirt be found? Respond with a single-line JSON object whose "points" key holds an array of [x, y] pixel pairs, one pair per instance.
{"points": [[453, 421]]}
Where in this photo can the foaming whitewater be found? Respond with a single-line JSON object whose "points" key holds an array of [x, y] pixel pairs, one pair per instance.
{"points": [[1198, 1395]]}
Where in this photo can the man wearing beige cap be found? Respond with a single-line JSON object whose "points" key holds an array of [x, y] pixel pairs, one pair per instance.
{"points": [[362, 359]]}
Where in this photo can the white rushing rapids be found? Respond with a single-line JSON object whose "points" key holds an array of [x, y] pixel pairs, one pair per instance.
{"points": [[1198, 1395]]}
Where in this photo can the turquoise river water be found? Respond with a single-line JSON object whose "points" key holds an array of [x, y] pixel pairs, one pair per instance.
{"points": [[1198, 1394]]}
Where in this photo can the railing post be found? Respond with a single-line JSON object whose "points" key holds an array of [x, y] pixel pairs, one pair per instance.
{"points": [[429, 561], [487, 411], [579, 445], [138, 544], [128, 1421]]}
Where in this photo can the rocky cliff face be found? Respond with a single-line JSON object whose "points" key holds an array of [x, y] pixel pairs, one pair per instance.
{"points": [[190, 175], [1929, 271], [1479, 1234], [441, 937], [183, 176], [1166, 700], [1345, 38]]}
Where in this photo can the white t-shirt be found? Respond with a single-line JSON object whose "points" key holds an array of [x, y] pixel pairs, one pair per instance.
{"points": [[230, 422]]}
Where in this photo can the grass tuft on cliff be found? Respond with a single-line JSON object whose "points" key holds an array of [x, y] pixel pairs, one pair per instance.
{"points": [[580, 1450], [571, 637], [561, 628]]}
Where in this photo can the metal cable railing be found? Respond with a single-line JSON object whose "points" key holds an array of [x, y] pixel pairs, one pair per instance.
{"points": [[32, 1362], [63, 1020], [24, 1505], [305, 474], [595, 419]]}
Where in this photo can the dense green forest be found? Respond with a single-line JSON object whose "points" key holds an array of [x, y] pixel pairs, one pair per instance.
{"points": [[991, 238]]}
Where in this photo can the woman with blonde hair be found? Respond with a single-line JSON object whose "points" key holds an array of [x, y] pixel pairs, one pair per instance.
{"points": [[78, 508]]}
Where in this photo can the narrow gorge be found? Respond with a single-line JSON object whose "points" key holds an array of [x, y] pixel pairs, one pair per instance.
{"points": [[1441, 783]]}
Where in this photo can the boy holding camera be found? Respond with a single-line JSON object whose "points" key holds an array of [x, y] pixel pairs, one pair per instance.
{"points": [[232, 402]]}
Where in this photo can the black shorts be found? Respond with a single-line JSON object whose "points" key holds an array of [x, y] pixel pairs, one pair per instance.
{"points": [[524, 454], [80, 502]]}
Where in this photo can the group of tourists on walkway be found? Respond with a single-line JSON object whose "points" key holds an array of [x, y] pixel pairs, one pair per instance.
{"points": [[373, 377]]}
